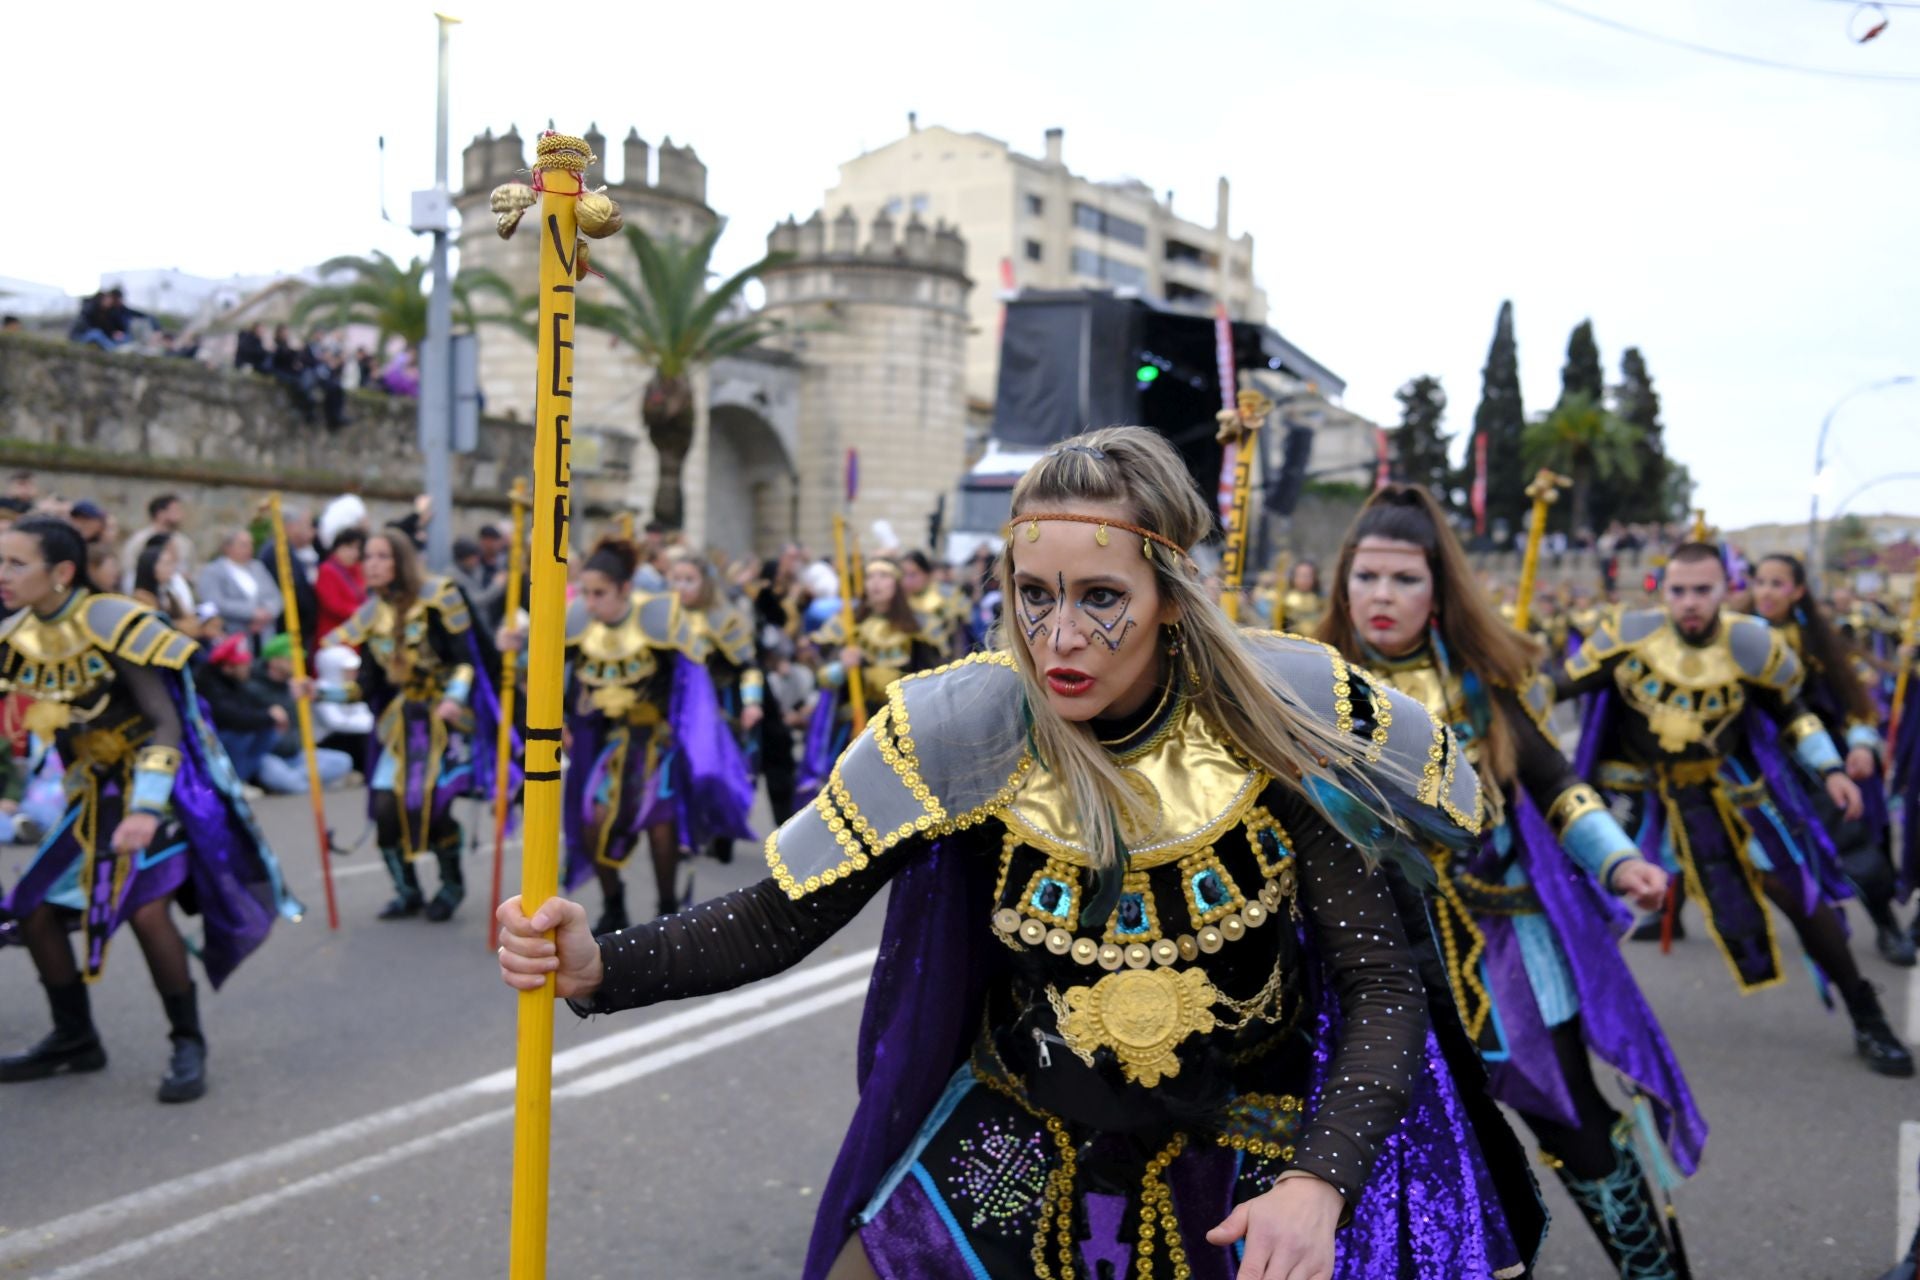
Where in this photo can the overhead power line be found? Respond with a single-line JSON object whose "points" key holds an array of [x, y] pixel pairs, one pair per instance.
{"points": [[1730, 55]]}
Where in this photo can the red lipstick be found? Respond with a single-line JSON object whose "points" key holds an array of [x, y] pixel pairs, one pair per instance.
{"points": [[1067, 682]]}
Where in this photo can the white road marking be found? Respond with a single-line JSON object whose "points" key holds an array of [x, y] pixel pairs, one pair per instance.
{"points": [[161, 1196], [1907, 1178], [361, 869], [1913, 1006], [138, 1250]]}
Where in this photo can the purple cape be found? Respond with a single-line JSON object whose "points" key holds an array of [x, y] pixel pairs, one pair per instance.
{"points": [[701, 782], [1615, 1020], [1906, 785], [226, 872]]}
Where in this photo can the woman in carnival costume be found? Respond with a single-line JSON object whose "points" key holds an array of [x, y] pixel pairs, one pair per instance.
{"points": [[1530, 937], [888, 642], [427, 679], [1146, 1003], [649, 752], [154, 813], [723, 632], [1836, 691]]}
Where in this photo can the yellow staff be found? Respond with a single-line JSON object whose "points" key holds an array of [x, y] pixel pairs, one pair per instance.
{"points": [[1281, 566], [1237, 427], [565, 211], [509, 681], [856, 693], [1700, 530], [1545, 491], [626, 526], [303, 707]]}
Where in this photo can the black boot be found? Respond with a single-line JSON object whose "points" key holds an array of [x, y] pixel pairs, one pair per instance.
{"points": [[614, 918], [1895, 947], [721, 851], [72, 1045], [1619, 1207], [1873, 1038], [186, 1077], [1908, 1268], [453, 884], [406, 901]]}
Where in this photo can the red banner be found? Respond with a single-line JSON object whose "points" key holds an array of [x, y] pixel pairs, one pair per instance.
{"points": [[1229, 399], [1480, 484], [1383, 469]]}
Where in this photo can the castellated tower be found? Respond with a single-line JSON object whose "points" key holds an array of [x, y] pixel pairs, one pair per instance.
{"points": [[663, 192], [880, 331]]}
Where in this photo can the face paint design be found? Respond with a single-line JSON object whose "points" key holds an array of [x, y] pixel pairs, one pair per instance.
{"points": [[1035, 608], [1111, 613]]}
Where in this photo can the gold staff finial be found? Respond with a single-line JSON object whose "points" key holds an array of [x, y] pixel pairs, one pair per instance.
{"points": [[1545, 491]]}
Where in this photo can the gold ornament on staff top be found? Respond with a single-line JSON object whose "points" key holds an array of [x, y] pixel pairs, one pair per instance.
{"points": [[1545, 491], [1237, 426]]}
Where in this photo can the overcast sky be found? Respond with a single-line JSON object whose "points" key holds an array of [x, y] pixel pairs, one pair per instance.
{"points": [[1403, 165]]}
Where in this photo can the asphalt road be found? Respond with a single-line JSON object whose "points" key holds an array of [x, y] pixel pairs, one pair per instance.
{"points": [[359, 1121]]}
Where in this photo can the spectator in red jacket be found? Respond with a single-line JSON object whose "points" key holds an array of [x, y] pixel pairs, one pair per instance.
{"points": [[340, 585]]}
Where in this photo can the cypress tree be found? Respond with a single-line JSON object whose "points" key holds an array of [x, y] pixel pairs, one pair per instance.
{"points": [[1581, 375], [1420, 443], [1500, 419], [1637, 402]]}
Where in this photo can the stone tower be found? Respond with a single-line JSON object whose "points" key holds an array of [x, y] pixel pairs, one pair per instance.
{"points": [[665, 194], [880, 333]]}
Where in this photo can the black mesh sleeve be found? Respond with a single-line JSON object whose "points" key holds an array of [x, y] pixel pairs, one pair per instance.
{"points": [[1544, 770], [149, 690], [741, 937], [1364, 951]]}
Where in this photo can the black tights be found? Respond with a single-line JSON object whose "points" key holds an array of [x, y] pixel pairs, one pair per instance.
{"points": [[45, 930], [1821, 934], [1585, 1149], [663, 847]]}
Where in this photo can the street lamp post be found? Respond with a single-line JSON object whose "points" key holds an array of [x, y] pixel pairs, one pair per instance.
{"points": [[1820, 460], [431, 212]]}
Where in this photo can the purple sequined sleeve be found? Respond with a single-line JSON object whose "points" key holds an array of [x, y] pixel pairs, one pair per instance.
{"points": [[1364, 951], [741, 937]]}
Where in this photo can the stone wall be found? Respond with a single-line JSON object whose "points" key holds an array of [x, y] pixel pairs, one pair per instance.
{"points": [[121, 428]]}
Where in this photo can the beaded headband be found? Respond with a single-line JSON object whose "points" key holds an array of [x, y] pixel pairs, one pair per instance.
{"points": [[1101, 525]]}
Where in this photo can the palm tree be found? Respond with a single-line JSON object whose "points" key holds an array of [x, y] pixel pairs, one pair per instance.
{"points": [[671, 321], [1582, 438], [391, 298]]}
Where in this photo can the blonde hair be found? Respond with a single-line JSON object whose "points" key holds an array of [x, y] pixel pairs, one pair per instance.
{"points": [[708, 595], [1137, 471]]}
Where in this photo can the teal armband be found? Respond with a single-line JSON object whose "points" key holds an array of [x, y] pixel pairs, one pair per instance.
{"points": [[154, 769], [1865, 735], [753, 689], [1812, 746]]}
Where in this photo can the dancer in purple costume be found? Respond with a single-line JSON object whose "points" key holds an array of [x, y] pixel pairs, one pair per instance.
{"points": [[648, 750], [1696, 711], [888, 642], [723, 636], [428, 679], [154, 812], [1835, 692], [1533, 953], [1146, 1004]]}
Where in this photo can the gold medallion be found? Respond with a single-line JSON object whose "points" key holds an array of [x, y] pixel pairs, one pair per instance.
{"points": [[1143, 1015]]}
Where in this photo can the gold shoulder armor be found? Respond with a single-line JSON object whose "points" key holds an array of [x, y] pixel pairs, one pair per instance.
{"points": [[444, 594], [1763, 655], [947, 752], [134, 633], [1536, 699]]}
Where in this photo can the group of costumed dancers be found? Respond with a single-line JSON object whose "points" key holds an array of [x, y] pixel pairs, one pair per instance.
{"points": [[1208, 951]]}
